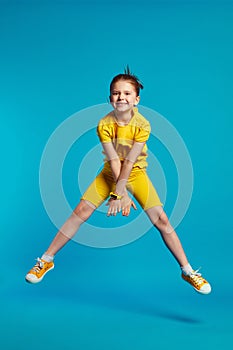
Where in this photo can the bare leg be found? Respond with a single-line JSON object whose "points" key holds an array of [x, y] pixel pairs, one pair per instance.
{"points": [[169, 236], [80, 214]]}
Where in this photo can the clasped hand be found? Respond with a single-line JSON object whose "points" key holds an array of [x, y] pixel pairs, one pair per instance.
{"points": [[120, 205]]}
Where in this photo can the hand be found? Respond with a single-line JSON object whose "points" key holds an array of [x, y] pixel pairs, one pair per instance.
{"points": [[114, 206], [126, 204]]}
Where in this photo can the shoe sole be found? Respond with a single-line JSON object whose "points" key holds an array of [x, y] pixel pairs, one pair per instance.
{"points": [[197, 290], [201, 291], [38, 279]]}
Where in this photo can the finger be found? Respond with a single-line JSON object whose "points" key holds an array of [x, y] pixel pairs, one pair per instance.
{"points": [[110, 211], [113, 210], [126, 212], [127, 208], [134, 205]]}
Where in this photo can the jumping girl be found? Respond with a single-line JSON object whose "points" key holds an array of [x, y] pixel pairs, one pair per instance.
{"points": [[123, 134]]}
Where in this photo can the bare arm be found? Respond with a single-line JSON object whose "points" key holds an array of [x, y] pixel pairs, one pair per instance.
{"points": [[127, 167], [113, 159], [121, 174]]}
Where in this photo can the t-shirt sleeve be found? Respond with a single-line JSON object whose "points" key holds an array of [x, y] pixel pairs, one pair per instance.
{"points": [[104, 132], [143, 132]]}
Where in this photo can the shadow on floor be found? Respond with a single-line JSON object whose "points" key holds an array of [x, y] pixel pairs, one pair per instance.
{"points": [[132, 302]]}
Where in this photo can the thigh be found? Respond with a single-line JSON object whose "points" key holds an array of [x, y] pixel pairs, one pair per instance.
{"points": [[99, 189], [142, 189]]}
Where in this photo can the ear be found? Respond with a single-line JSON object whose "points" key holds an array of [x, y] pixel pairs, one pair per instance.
{"points": [[137, 100]]}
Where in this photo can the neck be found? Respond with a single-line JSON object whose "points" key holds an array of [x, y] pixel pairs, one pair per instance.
{"points": [[123, 116]]}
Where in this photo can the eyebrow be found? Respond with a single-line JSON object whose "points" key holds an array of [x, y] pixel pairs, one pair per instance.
{"points": [[119, 90]]}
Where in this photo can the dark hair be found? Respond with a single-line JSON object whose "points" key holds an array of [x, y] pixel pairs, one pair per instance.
{"points": [[128, 76]]}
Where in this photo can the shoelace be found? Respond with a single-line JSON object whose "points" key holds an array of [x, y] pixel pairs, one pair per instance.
{"points": [[39, 265], [196, 276], [196, 272]]}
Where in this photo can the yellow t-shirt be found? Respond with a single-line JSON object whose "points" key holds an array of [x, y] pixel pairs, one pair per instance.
{"points": [[123, 137]]}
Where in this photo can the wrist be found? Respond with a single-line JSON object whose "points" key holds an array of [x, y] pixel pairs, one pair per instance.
{"points": [[121, 191], [115, 195]]}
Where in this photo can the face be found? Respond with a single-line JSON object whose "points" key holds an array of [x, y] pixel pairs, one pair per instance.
{"points": [[123, 96]]}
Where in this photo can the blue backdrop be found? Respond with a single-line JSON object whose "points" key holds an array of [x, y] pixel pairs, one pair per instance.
{"points": [[57, 58]]}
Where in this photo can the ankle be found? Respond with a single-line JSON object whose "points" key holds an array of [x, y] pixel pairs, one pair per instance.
{"points": [[187, 269], [47, 257]]}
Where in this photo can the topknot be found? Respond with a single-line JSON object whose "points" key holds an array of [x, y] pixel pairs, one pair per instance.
{"points": [[128, 76]]}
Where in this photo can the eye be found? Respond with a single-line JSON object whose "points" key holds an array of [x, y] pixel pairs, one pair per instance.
{"points": [[114, 93], [128, 93]]}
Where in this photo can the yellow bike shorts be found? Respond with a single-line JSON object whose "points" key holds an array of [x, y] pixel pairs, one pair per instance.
{"points": [[139, 185]]}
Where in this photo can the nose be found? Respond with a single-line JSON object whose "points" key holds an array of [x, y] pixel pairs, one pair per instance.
{"points": [[120, 97]]}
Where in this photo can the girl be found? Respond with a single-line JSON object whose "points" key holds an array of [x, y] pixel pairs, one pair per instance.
{"points": [[123, 134]]}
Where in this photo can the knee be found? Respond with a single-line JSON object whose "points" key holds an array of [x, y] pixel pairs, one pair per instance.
{"points": [[163, 219], [164, 225], [160, 220], [83, 210]]}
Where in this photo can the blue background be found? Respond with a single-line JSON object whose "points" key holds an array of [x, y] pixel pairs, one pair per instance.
{"points": [[58, 57]]}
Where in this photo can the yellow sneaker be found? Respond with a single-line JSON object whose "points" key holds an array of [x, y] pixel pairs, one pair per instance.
{"points": [[37, 273], [198, 282]]}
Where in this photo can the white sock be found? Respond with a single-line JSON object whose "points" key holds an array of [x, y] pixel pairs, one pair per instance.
{"points": [[187, 269], [48, 258]]}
